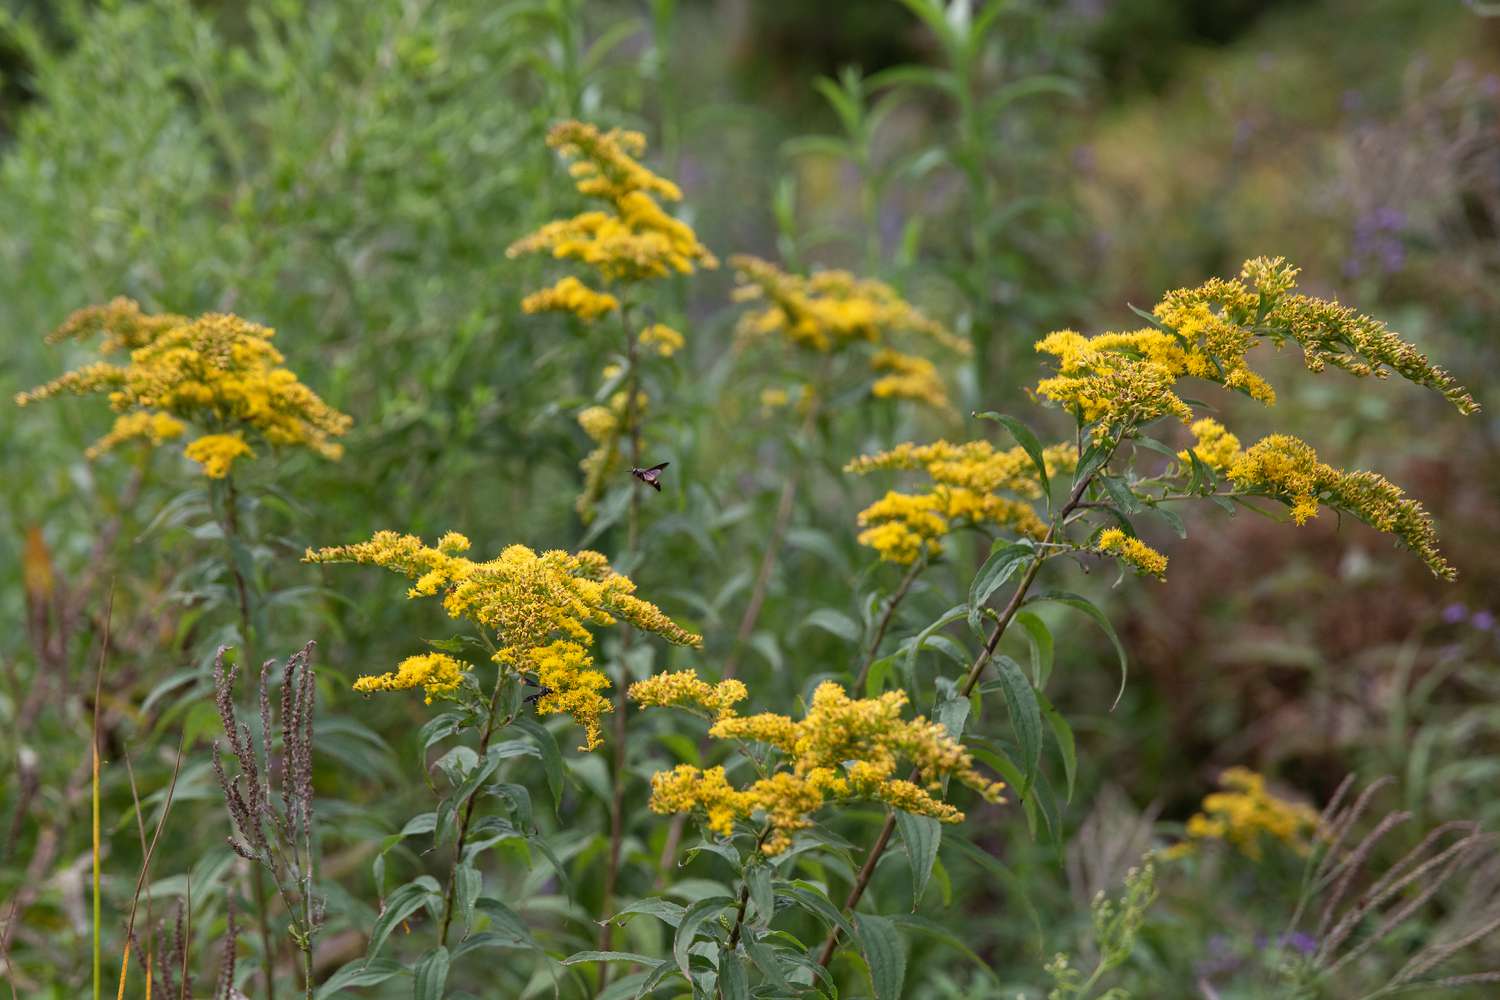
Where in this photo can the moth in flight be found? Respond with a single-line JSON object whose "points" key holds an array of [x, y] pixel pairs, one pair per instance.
{"points": [[652, 476]]}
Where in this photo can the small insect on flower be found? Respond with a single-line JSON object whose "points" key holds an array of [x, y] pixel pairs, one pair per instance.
{"points": [[652, 476]]}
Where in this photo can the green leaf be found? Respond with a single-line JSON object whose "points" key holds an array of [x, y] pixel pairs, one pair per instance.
{"points": [[431, 975], [995, 869], [817, 145], [1025, 715], [1028, 442], [1089, 608], [913, 76], [662, 909], [406, 900], [1143, 314], [765, 960], [468, 884], [587, 957], [922, 836], [953, 713], [552, 762], [505, 921], [885, 953], [696, 916], [944, 934], [762, 896], [734, 982], [835, 622], [1121, 493], [360, 972], [1171, 517], [875, 680], [999, 567], [439, 727], [1066, 745], [812, 899], [947, 618], [999, 761], [1039, 636]]}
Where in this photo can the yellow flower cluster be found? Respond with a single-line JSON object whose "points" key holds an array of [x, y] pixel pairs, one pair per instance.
{"points": [[1288, 469], [834, 310], [1133, 552], [606, 426], [122, 325], [436, 674], [842, 749], [217, 452], [968, 477], [219, 372], [633, 239], [773, 399], [1127, 378], [1214, 445], [661, 338], [829, 309], [571, 686], [907, 376], [572, 296], [538, 605], [684, 689], [1246, 814]]}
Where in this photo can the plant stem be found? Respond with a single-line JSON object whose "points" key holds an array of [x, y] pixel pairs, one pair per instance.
{"points": [[784, 507], [463, 822], [1017, 597], [622, 704], [885, 622], [242, 593], [232, 538]]}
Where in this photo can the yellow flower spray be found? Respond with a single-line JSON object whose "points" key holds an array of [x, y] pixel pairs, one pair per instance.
{"points": [[219, 373], [842, 749]]}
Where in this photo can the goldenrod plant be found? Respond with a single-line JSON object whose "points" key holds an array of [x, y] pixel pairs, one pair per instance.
{"points": [[896, 612]]}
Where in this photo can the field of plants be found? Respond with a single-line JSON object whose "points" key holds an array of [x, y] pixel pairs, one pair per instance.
{"points": [[934, 499]]}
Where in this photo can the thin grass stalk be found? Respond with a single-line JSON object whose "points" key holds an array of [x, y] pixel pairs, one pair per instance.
{"points": [[622, 702], [146, 867], [1348, 869], [1444, 865], [1315, 861], [97, 948]]}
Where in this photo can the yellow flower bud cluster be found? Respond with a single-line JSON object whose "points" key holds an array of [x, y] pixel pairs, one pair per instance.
{"points": [[662, 339], [1214, 445], [632, 239], [833, 310], [539, 606], [684, 689], [968, 478], [1246, 815], [438, 676], [842, 749], [571, 686], [572, 296], [607, 426], [1207, 331], [218, 372], [1133, 552], [907, 376], [1288, 469]]}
